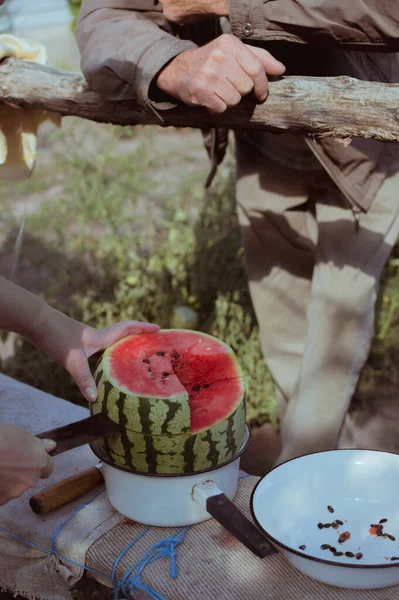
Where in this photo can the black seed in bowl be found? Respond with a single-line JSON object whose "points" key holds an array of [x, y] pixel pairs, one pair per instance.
{"points": [[326, 525], [325, 547], [395, 558], [359, 555], [303, 547], [349, 554], [339, 522], [334, 525], [383, 520], [333, 550], [379, 531], [320, 525], [330, 509], [391, 537], [338, 553]]}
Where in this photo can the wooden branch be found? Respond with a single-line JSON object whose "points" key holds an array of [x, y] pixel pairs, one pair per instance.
{"points": [[339, 107]]}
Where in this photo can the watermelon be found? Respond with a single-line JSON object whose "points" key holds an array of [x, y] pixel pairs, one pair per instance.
{"points": [[180, 396]]}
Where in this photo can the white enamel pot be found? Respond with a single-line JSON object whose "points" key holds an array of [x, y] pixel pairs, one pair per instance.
{"points": [[178, 500], [308, 507]]}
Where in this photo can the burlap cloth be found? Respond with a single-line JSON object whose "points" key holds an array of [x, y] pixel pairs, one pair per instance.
{"points": [[210, 563]]}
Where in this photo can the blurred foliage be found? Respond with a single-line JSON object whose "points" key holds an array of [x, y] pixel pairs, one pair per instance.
{"points": [[133, 234], [119, 246]]}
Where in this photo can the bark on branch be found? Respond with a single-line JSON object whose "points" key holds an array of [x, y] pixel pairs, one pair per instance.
{"points": [[339, 107]]}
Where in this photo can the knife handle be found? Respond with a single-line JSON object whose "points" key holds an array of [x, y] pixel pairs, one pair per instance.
{"points": [[64, 491]]}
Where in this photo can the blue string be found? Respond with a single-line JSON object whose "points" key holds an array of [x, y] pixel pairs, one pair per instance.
{"points": [[122, 554], [60, 527], [53, 553], [163, 548]]}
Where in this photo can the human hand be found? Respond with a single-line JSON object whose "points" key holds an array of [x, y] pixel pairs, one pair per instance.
{"points": [[71, 343], [184, 12], [24, 459], [219, 74]]}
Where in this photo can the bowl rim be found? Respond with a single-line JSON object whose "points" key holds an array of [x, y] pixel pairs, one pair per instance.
{"points": [[300, 553]]}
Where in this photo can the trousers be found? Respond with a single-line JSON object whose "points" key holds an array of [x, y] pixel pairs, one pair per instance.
{"points": [[314, 267]]}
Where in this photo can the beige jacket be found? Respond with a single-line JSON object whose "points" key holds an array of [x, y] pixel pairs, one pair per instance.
{"points": [[124, 44]]}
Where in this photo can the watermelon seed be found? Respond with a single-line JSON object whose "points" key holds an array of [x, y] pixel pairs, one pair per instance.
{"points": [[325, 546], [160, 353], [333, 550], [303, 547], [349, 554], [359, 555], [338, 553], [196, 388], [165, 374], [391, 537], [175, 355], [320, 525], [330, 509], [334, 525], [383, 520], [395, 558], [150, 370], [146, 361], [339, 522]]}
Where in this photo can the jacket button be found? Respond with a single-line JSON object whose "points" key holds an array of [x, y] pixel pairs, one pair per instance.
{"points": [[248, 29]]}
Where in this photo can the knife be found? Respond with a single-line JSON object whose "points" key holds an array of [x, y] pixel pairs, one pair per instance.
{"points": [[81, 432]]}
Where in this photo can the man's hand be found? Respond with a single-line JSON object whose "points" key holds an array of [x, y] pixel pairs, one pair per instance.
{"points": [[184, 12], [24, 460], [219, 74], [71, 343]]}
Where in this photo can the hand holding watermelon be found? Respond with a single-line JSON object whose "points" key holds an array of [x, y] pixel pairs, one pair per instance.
{"points": [[67, 341]]}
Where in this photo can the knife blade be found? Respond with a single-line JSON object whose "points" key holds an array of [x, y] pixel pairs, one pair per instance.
{"points": [[80, 432]]}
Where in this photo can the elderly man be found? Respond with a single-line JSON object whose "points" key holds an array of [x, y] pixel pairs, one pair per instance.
{"points": [[318, 219]]}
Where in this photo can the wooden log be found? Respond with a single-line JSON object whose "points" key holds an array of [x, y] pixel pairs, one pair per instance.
{"points": [[338, 107]]}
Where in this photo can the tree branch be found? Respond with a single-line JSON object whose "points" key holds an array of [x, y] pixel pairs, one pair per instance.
{"points": [[339, 107]]}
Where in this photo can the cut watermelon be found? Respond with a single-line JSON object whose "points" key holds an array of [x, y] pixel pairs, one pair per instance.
{"points": [[181, 398]]}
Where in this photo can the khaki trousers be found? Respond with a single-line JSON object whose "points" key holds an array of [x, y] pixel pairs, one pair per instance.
{"points": [[313, 274]]}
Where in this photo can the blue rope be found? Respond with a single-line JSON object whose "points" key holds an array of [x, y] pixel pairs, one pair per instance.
{"points": [[60, 527], [163, 548]]}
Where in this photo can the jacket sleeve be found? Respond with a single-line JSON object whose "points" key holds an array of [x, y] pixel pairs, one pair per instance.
{"points": [[123, 45], [353, 24]]}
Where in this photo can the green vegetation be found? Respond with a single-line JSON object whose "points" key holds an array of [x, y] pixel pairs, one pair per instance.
{"points": [[120, 227]]}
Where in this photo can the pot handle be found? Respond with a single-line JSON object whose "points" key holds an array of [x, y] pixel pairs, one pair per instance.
{"points": [[213, 500]]}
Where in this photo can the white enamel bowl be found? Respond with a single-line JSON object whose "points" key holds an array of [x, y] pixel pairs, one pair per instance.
{"points": [[362, 487]]}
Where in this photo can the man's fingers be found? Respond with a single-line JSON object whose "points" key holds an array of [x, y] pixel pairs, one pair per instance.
{"points": [[48, 467], [258, 63]]}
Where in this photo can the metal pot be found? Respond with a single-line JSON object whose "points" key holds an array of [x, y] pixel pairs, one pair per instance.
{"points": [[170, 500]]}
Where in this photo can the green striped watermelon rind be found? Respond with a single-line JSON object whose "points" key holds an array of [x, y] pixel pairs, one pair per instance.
{"points": [[157, 438]]}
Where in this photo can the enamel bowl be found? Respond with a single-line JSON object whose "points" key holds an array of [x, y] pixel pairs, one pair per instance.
{"points": [[297, 506]]}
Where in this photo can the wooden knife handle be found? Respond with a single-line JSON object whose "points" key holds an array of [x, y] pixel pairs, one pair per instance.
{"points": [[64, 491]]}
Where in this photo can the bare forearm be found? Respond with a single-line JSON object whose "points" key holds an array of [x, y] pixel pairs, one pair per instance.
{"points": [[20, 310]]}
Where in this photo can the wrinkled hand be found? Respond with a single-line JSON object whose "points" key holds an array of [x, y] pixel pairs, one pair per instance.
{"points": [[219, 74], [24, 460], [71, 343], [184, 12]]}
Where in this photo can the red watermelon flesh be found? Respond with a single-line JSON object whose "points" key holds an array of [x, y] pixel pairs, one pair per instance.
{"points": [[169, 363]]}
